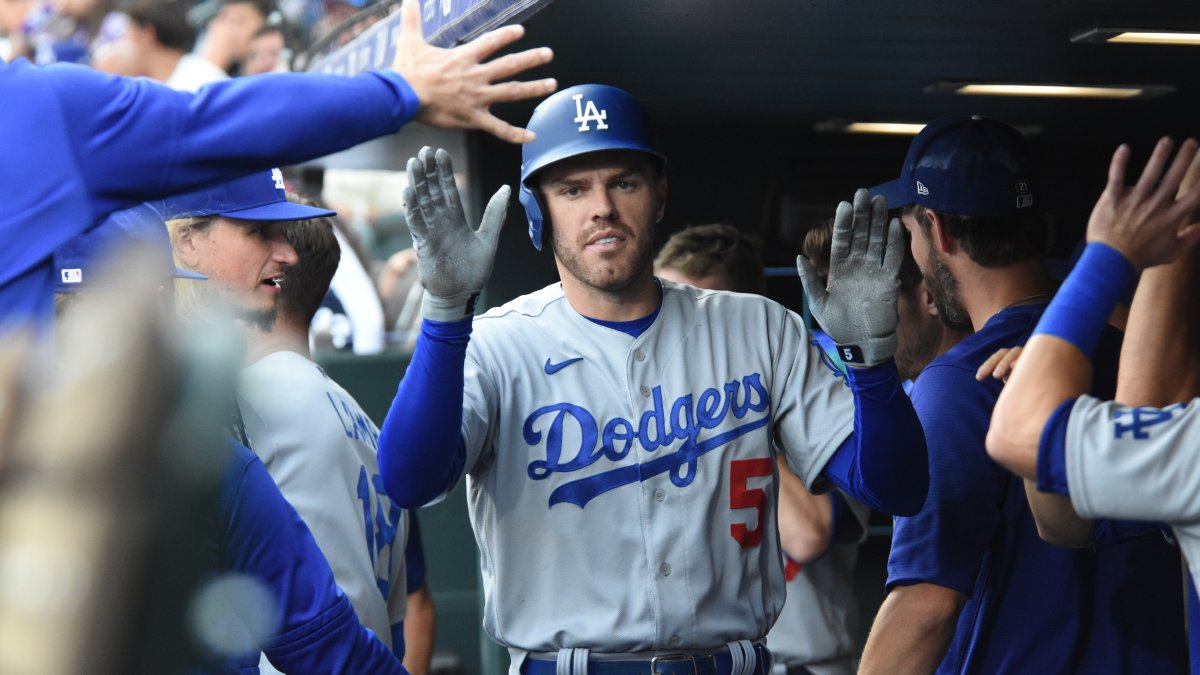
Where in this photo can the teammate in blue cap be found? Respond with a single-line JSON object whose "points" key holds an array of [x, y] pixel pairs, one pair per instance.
{"points": [[259, 534], [82, 144], [616, 431], [972, 588]]}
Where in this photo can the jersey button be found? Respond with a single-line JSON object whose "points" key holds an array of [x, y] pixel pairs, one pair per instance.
{"points": [[660, 495], [674, 641], [639, 355], [645, 391], [665, 569]]}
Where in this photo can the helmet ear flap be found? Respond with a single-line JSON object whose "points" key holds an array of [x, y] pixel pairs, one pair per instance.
{"points": [[533, 212]]}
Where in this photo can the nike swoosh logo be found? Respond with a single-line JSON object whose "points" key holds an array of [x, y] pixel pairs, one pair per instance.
{"points": [[552, 368]]}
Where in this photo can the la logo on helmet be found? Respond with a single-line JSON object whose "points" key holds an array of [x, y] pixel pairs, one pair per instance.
{"points": [[588, 113], [277, 176]]}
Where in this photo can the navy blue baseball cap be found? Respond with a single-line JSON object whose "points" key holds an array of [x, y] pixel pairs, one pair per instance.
{"points": [[76, 260], [259, 196], [969, 166]]}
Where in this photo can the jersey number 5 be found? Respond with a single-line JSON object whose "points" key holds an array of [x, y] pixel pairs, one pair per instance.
{"points": [[741, 496]]}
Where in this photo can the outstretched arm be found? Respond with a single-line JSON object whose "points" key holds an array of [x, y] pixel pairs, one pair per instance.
{"points": [[884, 462], [421, 453], [1130, 229]]}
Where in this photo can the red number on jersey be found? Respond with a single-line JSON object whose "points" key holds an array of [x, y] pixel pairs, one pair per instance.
{"points": [[743, 497]]}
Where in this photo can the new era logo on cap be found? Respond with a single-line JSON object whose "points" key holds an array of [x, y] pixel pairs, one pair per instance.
{"points": [[921, 189]]}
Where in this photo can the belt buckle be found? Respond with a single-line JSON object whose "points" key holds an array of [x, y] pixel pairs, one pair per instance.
{"points": [[672, 658]]}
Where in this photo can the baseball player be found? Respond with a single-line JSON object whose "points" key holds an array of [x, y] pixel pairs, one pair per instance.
{"points": [[420, 620], [819, 534], [1112, 460], [972, 588], [83, 144], [255, 531], [616, 431], [313, 437]]}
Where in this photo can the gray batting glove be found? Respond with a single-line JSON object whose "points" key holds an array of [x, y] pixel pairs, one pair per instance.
{"points": [[858, 309], [453, 261]]}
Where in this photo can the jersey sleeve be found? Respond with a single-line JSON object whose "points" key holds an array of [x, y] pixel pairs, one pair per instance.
{"points": [[946, 542], [318, 631], [813, 409], [167, 142], [1134, 463], [480, 407]]}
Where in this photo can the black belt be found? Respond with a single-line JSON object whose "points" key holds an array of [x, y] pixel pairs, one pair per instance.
{"points": [[720, 663]]}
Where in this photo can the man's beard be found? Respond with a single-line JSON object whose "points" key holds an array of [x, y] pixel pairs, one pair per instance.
{"points": [[627, 271], [944, 288]]}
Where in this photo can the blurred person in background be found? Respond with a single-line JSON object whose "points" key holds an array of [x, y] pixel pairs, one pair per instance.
{"points": [[227, 38], [156, 44]]}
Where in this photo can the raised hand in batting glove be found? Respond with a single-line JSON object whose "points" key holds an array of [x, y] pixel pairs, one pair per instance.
{"points": [[858, 308], [453, 261]]}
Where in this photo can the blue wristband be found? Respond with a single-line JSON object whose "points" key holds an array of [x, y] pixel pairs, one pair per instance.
{"points": [[1080, 309]]}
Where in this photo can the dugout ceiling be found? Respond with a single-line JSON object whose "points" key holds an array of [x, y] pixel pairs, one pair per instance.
{"points": [[735, 88]]}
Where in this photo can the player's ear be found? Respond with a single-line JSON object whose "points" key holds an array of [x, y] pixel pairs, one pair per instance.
{"points": [[937, 232], [183, 245], [925, 298]]}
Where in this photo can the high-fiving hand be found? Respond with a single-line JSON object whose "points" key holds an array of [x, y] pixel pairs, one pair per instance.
{"points": [[1148, 223], [453, 261], [456, 88], [858, 309]]}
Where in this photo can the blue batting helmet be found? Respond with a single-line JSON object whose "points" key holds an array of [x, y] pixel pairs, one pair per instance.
{"points": [[582, 119]]}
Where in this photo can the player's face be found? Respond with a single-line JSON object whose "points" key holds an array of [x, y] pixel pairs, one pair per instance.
{"points": [[603, 207], [245, 260], [938, 278]]}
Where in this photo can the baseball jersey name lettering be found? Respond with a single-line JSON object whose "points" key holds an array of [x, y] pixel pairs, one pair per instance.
{"points": [[658, 427], [356, 425]]}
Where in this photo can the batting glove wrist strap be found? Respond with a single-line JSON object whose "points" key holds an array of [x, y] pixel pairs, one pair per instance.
{"points": [[858, 307], [454, 308]]}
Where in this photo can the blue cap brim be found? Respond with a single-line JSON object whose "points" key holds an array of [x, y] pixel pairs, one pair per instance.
{"points": [[894, 193], [278, 211]]}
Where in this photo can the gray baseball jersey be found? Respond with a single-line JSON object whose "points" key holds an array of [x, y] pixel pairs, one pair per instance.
{"points": [[819, 622], [1137, 464], [320, 447], [622, 490]]}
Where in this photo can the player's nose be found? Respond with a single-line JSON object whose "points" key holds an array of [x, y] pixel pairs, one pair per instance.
{"points": [[602, 206], [284, 253]]}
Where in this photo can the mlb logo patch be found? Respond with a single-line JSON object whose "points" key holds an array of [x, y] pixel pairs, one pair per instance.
{"points": [[72, 276]]}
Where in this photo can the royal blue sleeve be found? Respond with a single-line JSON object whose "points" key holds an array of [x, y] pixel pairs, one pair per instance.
{"points": [[1052, 451], [421, 452], [948, 539], [317, 629], [166, 142], [883, 463]]}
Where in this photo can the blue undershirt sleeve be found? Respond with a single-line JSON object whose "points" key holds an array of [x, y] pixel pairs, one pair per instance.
{"points": [[421, 451], [1052, 451], [167, 142], [884, 462], [317, 629]]}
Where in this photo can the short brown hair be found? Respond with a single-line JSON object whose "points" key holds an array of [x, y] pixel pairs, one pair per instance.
{"points": [[717, 248], [994, 241], [318, 253]]}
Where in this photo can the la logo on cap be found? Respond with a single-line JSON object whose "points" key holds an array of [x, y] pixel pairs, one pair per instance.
{"points": [[72, 276], [277, 176], [588, 113]]}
